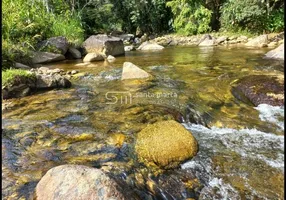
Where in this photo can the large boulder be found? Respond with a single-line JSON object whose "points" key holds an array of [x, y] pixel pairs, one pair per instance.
{"points": [[105, 44], [260, 89], [55, 45], [74, 53], [46, 57], [165, 144], [21, 66], [146, 46], [277, 53], [93, 57], [131, 71], [77, 182], [260, 41]]}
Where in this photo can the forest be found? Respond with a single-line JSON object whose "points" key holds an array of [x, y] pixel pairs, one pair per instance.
{"points": [[26, 22]]}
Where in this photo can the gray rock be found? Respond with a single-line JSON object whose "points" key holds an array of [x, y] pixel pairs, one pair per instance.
{"points": [[52, 81], [221, 39], [93, 57], [146, 46], [46, 57], [208, 42], [277, 53], [107, 45], [73, 72], [21, 66], [60, 43], [131, 71], [260, 41], [74, 52], [77, 182]]}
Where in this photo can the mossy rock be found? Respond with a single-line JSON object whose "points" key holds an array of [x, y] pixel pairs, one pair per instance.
{"points": [[165, 144]]}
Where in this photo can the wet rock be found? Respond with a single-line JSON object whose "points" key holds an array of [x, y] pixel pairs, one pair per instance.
{"points": [[73, 72], [129, 48], [93, 57], [107, 45], [260, 41], [272, 44], [60, 43], [111, 58], [146, 46], [46, 57], [74, 52], [21, 66], [165, 144], [277, 53], [260, 89], [77, 182], [131, 71]]}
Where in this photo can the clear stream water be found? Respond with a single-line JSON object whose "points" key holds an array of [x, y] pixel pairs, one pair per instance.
{"points": [[95, 122]]}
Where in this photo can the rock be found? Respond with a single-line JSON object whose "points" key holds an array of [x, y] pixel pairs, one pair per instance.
{"points": [[60, 43], [260, 41], [260, 89], [129, 48], [146, 46], [111, 58], [52, 81], [144, 38], [242, 38], [77, 182], [107, 45], [207, 40], [277, 53], [74, 52], [73, 72], [16, 91], [126, 37], [165, 144], [46, 57], [93, 57], [131, 71], [221, 39], [272, 44], [21, 66]]}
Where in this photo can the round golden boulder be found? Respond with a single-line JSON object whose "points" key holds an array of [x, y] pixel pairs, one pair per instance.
{"points": [[165, 144]]}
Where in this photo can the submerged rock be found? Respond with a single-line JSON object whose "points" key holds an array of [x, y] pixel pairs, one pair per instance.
{"points": [[107, 45], [77, 182], [146, 46], [131, 71], [165, 144], [277, 53], [260, 89], [93, 57]]}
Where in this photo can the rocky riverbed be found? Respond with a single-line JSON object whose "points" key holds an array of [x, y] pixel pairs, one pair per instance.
{"points": [[97, 122]]}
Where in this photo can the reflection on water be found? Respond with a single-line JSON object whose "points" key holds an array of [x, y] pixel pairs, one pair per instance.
{"points": [[81, 125]]}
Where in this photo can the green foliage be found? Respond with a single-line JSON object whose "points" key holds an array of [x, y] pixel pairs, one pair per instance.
{"points": [[27, 22], [10, 76], [275, 22], [243, 13], [253, 15], [191, 17]]}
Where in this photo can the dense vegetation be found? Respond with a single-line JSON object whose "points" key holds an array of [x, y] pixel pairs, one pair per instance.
{"points": [[26, 22]]}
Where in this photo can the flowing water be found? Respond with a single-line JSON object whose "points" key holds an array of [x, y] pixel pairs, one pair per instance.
{"points": [[95, 122]]}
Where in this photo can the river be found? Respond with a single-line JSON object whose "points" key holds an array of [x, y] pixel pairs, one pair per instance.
{"points": [[95, 122]]}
